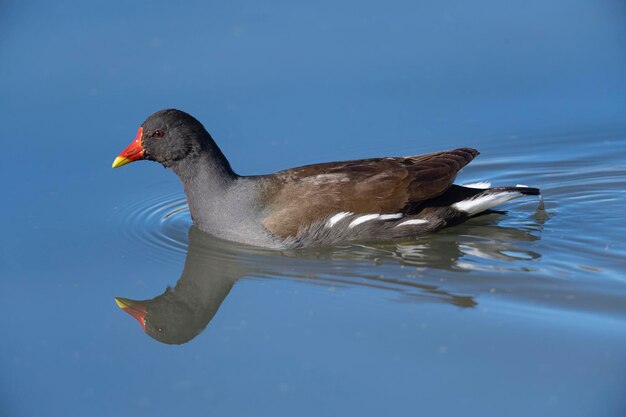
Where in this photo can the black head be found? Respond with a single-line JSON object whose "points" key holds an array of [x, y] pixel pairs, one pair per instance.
{"points": [[169, 137], [172, 135]]}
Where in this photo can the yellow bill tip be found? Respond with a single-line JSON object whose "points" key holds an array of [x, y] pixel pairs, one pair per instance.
{"points": [[120, 161], [121, 301]]}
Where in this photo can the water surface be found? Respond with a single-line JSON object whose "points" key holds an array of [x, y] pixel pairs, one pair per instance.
{"points": [[516, 313]]}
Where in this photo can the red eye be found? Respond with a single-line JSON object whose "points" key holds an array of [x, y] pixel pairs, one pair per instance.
{"points": [[158, 133]]}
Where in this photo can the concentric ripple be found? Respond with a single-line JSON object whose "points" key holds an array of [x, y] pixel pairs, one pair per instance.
{"points": [[157, 227]]}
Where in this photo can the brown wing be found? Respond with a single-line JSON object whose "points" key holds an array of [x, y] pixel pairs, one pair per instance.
{"points": [[302, 195]]}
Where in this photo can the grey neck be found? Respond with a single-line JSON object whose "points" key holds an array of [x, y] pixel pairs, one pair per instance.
{"points": [[221, 202], [206, 180]]}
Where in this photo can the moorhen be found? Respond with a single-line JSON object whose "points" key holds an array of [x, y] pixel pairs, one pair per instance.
{"points": [[321, 204]]}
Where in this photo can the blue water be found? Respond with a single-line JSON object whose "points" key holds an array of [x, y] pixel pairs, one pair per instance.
{"points": [[516, 314]]}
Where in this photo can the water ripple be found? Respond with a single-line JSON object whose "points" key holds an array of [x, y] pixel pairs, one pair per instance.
{"points": [[157, 226]]}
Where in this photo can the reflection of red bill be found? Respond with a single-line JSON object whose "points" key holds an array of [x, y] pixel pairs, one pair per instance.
{"points": [[134, 308], [133, 152]]}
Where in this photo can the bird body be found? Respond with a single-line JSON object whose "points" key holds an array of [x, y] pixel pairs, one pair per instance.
{"points": [[320, 204]]}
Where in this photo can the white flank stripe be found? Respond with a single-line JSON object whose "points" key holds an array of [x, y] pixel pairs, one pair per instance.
{"points": [[333, 220], [411, 222], [363, 219], [479, 204], [522, 185], [482, 185], [391, 216]]}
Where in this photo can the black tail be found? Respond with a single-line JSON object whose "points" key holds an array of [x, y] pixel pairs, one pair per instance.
{"points": [[520, 189]]}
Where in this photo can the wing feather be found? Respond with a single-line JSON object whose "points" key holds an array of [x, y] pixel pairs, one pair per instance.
{"points": [[300, 196]]}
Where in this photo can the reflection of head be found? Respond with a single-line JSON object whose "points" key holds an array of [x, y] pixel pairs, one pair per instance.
{"points": [[166, 318], [182, 312]]}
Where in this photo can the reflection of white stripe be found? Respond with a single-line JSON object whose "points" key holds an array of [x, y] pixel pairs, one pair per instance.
{"points": [[333, 220], [481, 185], [363, 219], [412, 221]]}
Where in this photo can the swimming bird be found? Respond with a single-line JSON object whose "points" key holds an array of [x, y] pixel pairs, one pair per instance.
{"points": [[377, 199]]}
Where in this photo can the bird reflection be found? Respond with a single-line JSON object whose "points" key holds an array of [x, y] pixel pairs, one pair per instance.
{"points": [[182, 312], [212, 267]]}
